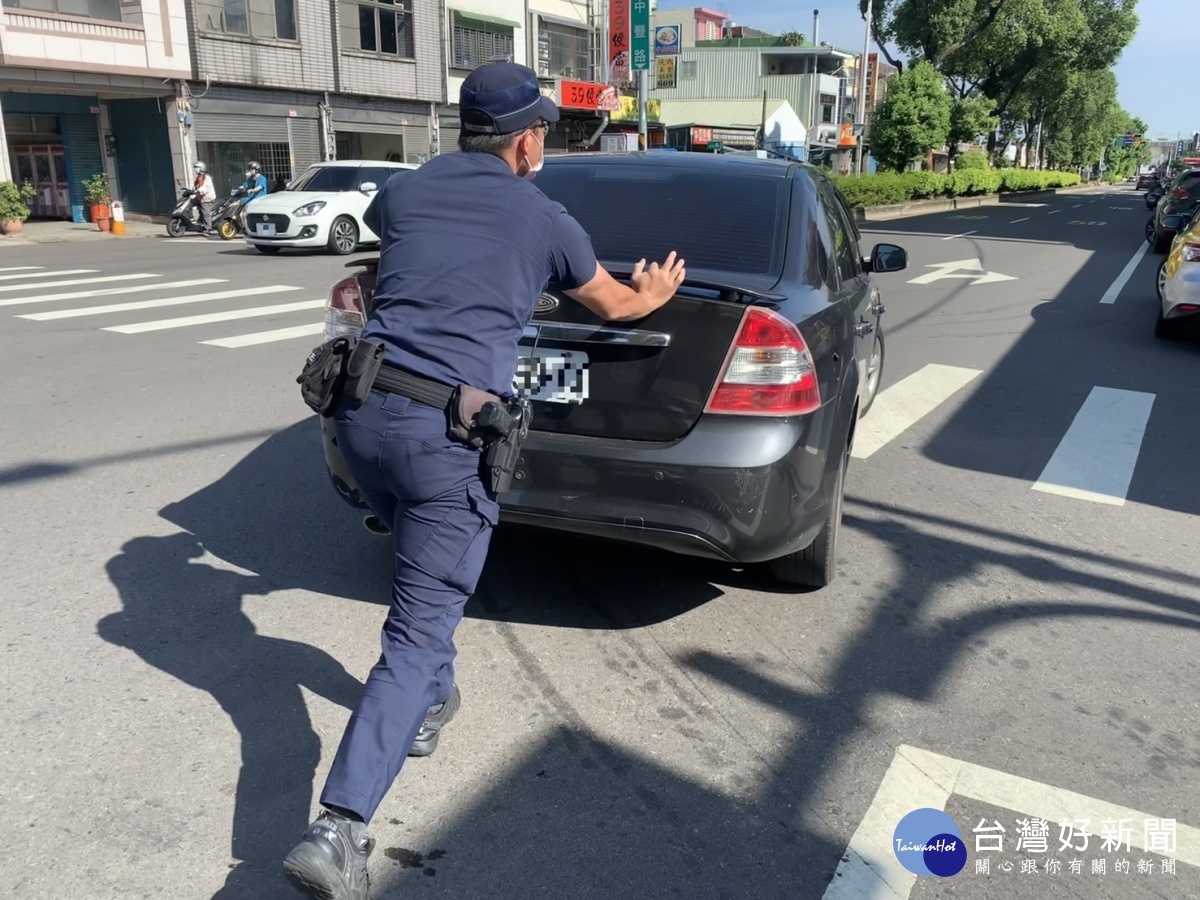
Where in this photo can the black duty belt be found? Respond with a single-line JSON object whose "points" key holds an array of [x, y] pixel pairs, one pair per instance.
{"points": [[394, 380]]}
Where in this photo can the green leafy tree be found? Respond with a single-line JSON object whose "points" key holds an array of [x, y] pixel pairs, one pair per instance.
{"points": [[913, 118], [971, 118]]}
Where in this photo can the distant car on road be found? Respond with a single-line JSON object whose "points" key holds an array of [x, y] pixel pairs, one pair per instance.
{"points": [[322, 208], [720, 425], [1179, 279], [1146, 180]]}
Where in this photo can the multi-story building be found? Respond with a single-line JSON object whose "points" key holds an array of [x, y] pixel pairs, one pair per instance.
{"points": [[87, 88], [565, 45], [292, 82], [697, 23], [817, 82]]}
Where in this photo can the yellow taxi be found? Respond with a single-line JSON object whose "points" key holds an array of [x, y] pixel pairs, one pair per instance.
{"points": [[1179, 279]]}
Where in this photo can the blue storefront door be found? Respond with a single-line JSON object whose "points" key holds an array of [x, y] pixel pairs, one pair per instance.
{"points": [[143, 148]]}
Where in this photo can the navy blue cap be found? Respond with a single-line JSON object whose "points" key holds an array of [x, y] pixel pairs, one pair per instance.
{"points": [[503, 98]]}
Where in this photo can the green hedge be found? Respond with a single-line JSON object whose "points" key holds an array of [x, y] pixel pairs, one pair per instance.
{"points": [[887, 188]]}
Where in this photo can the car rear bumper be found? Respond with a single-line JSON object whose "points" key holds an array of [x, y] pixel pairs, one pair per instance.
{"points": [[735, 489], [1182, 291]]}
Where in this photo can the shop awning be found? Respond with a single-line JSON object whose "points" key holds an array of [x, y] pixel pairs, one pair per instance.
{"points": [[484, 19]]}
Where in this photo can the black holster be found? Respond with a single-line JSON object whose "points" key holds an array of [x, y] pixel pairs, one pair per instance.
{"points": [[341, 367]]}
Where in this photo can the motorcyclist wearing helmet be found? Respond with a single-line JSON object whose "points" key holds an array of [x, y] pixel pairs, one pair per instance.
{"points": [[206, 193], [255, 184]]}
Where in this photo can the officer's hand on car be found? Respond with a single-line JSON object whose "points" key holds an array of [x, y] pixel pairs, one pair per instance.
{"points": [[659, 283]]}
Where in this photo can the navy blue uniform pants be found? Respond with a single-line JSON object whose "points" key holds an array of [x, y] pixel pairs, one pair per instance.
{"points": [[428, 489]]}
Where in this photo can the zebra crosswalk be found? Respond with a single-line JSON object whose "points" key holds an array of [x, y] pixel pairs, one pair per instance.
{"points": [[30, 290]]}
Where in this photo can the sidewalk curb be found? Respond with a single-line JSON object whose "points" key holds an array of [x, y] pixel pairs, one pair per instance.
{"points": [[864, 214]]}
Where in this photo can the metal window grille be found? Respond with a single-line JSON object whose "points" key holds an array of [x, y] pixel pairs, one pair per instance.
{"points": [[472, 46], [272, 19], [687, 69]]}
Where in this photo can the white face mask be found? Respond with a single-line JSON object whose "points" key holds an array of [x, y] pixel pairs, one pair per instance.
{"points": [[533, 170]]}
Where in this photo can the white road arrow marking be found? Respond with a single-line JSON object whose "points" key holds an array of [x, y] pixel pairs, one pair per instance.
{"points": [[970, 269]]}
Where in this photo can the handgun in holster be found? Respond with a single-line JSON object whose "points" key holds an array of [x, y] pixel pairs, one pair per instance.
{"points": [[510, 424]]}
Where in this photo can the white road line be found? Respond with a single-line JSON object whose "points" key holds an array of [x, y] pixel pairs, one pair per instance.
{"points": [[918, 778], [1054, 212], [905, 403], [57, 284], [1114, 289], [153, 304], [20, 268], [47, 274], [1096, 457], [209, 318], [1015, 221], [953, 236], [1077, 205], [267, 337], [108, 292]]}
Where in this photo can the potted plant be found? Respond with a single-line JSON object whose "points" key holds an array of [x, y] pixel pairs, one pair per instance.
{"points": [[14, 205], [98, 197]]}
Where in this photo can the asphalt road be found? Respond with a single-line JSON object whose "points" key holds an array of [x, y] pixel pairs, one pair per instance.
{"points": [[189, 610]]}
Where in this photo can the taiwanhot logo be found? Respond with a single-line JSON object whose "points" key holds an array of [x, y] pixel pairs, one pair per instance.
{"points": [[928, 842]]}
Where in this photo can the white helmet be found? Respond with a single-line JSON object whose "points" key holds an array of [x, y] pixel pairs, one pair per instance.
{"points": [[200, 166]]}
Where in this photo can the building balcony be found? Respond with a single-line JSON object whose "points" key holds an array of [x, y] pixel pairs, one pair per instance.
{"points": [[142, 41]]}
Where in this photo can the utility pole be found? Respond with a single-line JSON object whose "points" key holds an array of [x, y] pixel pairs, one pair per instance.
{"points": [[860, 158]]}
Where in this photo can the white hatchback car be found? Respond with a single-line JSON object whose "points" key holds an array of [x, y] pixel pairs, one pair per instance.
{"points": [[322, 208]]}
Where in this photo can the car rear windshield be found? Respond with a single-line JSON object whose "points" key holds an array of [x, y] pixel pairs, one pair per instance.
{"points": [[725, 221], [327, 178]]}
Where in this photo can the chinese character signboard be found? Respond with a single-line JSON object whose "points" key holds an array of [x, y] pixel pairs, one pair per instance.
{"points": [[639, 40], [618, 40], [666, 40], [664, 71], [579, 94], [628, 111]]}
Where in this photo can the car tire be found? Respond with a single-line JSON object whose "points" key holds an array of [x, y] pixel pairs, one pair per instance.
{"points": [[874, 373], [269, 251], [816, 565], [343, 236]]}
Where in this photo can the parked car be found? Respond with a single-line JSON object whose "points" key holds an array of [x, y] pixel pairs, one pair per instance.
{"points": [[322, 208], [1182, 195], [721, 424], [1179, 279]]}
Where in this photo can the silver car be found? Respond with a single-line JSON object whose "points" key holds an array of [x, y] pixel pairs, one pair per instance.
{"points": [[1179, 279]]}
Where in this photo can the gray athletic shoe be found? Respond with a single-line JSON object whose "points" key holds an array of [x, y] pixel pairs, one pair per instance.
{"points": [[330, 862], [436, 719]]}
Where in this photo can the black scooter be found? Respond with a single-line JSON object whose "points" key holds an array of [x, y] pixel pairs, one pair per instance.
{"points": [[228, 219]]}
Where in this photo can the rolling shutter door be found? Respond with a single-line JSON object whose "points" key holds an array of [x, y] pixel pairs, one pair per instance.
{"points": [[144, 164], [235, 129], [306, 143]]}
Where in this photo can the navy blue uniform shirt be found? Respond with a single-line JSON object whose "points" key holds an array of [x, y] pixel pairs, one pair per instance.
{"points": [[466, 248]]}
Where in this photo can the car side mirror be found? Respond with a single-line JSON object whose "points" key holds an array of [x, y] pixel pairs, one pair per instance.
{"points": [[367, 186], [888, 258], [1174, 222]]}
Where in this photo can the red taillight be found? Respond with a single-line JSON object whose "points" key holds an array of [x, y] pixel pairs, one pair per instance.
{"points": [[1179, 194], [1191, 252], [344, 310], [769, 371]]}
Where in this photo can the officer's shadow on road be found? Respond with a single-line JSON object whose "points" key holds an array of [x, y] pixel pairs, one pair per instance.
{"points": [[275, 516]]}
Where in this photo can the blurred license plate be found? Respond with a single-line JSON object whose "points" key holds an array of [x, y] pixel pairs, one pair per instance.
{"points": [[552, 376], [265, 229]]}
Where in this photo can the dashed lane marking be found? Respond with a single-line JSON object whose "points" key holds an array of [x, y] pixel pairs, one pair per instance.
{"points": [[905, 403]]}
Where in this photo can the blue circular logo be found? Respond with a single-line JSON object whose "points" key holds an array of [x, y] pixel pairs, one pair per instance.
{"points": [[928, 842]]}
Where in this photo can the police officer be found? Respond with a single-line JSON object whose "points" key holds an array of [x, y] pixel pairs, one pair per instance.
{"points": [[467, 246]]}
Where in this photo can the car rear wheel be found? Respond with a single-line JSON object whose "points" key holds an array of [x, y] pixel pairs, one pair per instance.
{"points": [[874, 374], [816, 565], [343, 236]]}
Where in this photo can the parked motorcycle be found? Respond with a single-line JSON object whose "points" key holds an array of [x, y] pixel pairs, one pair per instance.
{"points": [[1155, 194], [228, 219]]}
